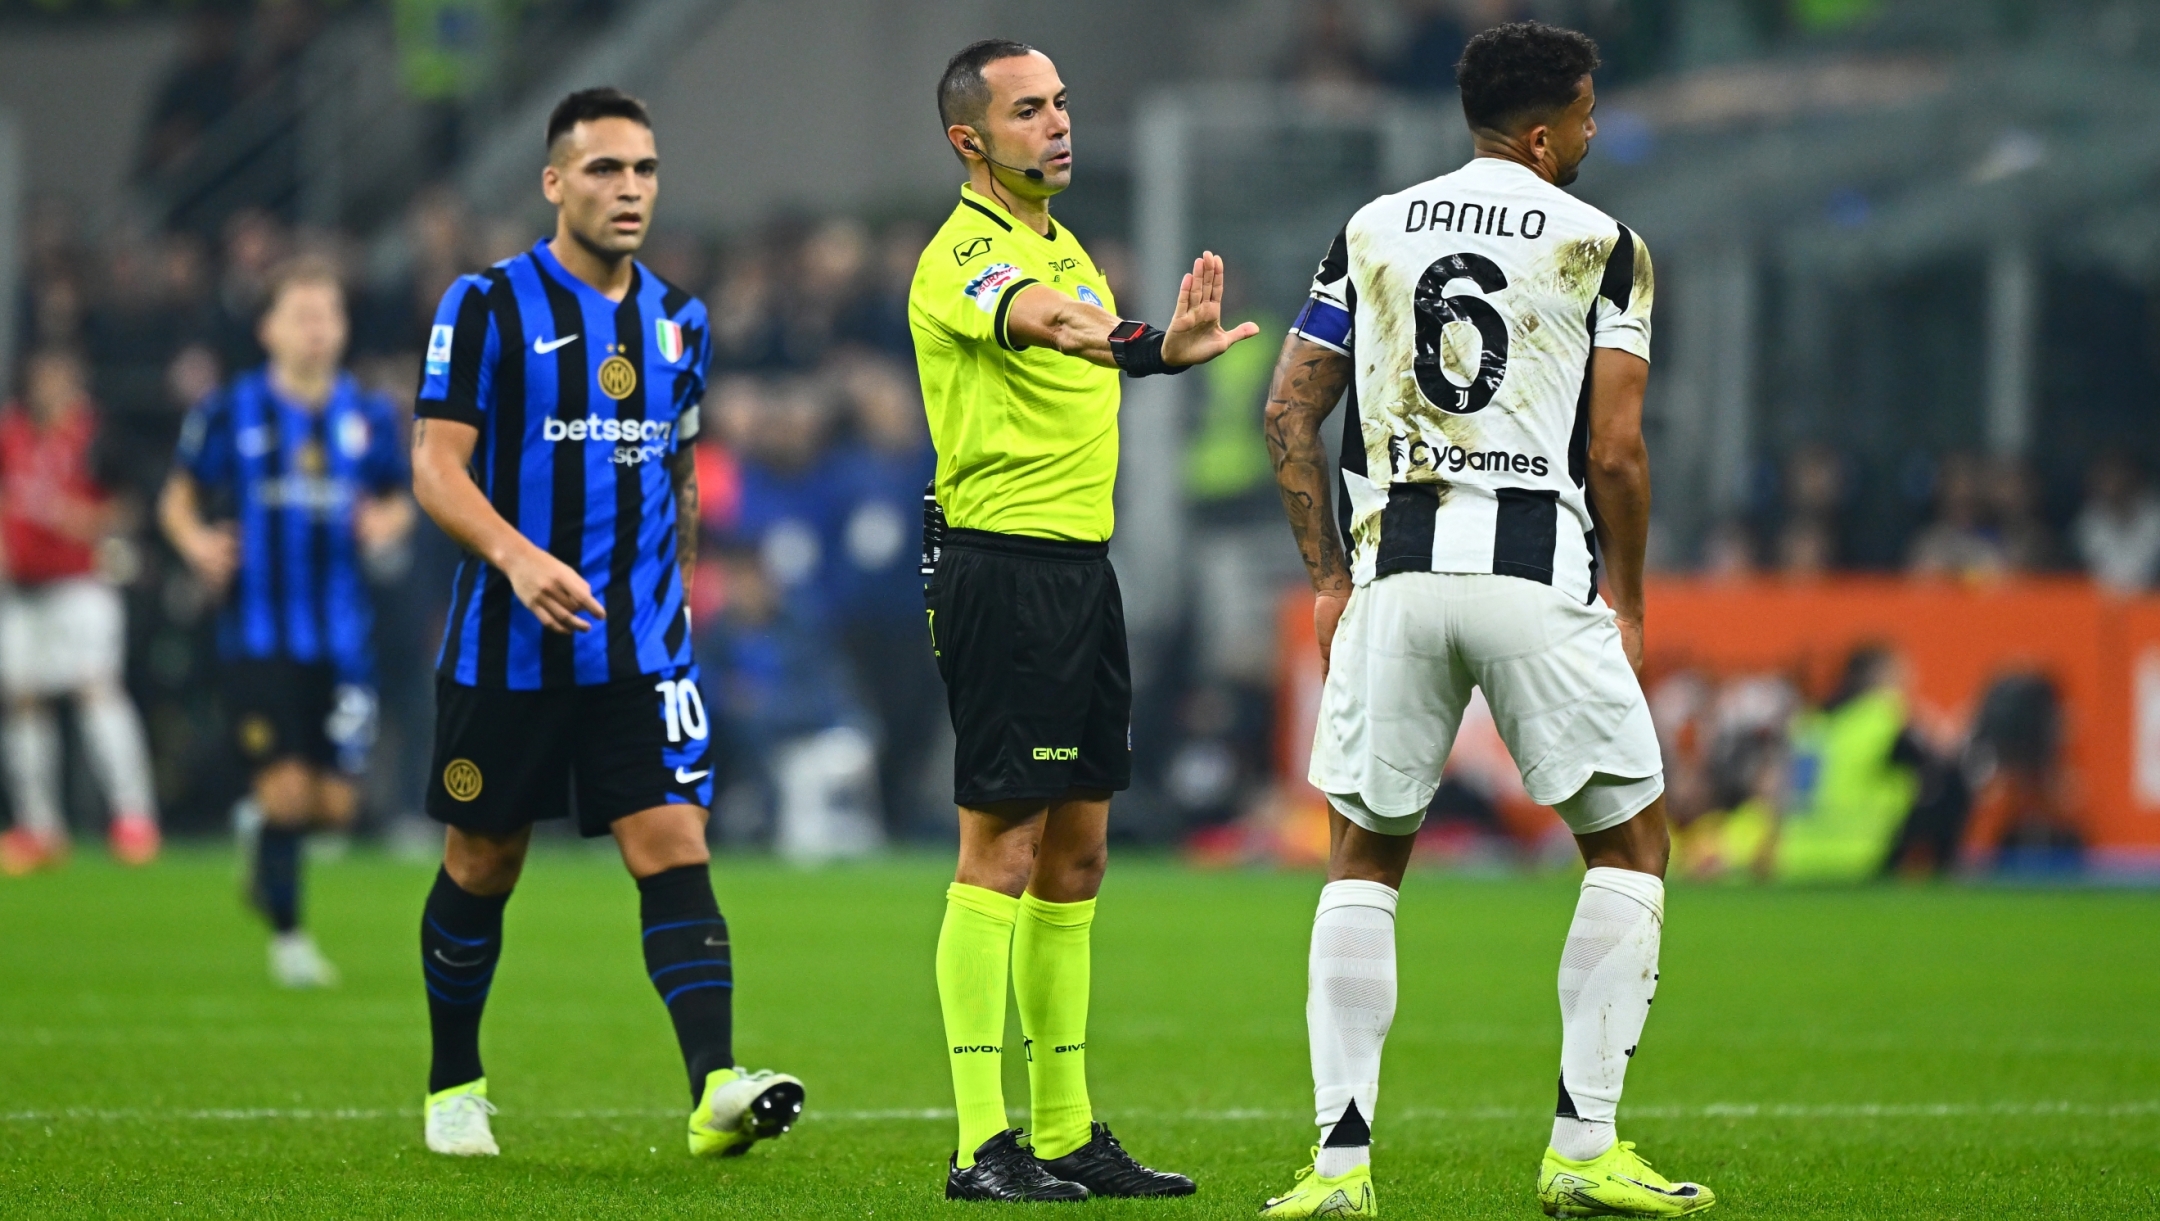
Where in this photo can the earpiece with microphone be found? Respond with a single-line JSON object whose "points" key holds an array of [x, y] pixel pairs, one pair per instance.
{"points": [[1035, 174]]}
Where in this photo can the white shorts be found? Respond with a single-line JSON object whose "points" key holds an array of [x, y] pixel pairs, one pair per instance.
{"points": [[60, 637], [1407, 654]]}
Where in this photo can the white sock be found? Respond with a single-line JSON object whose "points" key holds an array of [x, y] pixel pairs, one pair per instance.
{"points": [[1349, 1005], [1608, 975], [32, 745], [113, 736]]}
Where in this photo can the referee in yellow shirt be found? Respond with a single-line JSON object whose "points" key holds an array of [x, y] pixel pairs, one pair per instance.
{"points": [[1020, 346]]}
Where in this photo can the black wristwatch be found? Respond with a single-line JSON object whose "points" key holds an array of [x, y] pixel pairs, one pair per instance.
{"points": [[1137, 349], [1121, 340]]}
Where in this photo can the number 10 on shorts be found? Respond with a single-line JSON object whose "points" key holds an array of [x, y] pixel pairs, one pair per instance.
{"points": [[683, 707]]}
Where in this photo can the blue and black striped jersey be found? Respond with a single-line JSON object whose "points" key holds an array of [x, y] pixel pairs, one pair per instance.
{"points": [[289, 478], [580, 402]]}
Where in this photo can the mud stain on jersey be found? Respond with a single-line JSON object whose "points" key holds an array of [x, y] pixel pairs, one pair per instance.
{"points": [[1364, 533], [1578, 266], [1645, 282], [1546, 358], [1386, 354], [1527, 338]]}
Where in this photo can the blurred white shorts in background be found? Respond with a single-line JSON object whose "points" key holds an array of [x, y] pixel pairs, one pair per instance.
{"points": [[60, 637]]}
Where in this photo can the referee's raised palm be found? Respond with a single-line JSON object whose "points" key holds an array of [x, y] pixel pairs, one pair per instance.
{"points": [[1195, 335]]}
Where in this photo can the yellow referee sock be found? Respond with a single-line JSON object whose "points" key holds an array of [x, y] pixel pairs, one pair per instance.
{"points": [[1050, 979], [973, 950]]}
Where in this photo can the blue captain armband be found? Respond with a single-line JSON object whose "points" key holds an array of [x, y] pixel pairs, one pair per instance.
{"points": [[1325, 323]]}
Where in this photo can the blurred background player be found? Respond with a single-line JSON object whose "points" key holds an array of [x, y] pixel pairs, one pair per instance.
{"points": [[284, 481], [1485, 477], [1019, 354], [63, 631], [566, 658]]}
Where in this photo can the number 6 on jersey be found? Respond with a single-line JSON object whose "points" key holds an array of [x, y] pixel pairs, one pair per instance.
{"points": [[1436, 310]]}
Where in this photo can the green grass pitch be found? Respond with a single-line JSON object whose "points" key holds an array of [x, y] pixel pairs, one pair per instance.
{"points": [[1937, 1052]]}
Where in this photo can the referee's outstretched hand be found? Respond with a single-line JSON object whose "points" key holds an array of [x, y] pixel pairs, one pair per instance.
{"points": [[1195, 335], [554, 592]]}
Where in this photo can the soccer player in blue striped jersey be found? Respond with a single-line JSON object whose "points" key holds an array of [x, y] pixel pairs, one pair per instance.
{"points": [[283, 481], [556, 409]]}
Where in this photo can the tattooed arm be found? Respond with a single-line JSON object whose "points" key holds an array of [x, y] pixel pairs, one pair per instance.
{"points": [[1309, 381], [682, 471]]}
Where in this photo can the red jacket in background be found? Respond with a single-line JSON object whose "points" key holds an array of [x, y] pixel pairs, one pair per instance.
{"points": [[44, 477]]}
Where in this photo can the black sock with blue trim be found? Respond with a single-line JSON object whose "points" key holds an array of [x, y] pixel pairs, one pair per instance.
{"points": [[460, 942], [687, 956], [277, 875]]}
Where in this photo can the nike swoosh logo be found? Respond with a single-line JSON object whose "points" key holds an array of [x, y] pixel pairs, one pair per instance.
{"points": [[719, 944], [689, 777], [543, 347], [448, 961], [1678, 1193]]}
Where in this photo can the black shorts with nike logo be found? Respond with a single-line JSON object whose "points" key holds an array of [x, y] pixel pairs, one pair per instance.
{"points": [[1030, 639], [507, 759]]}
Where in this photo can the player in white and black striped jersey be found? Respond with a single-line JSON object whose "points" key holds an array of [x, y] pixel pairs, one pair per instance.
{"points": [[1485, 293], [1491, 336]]}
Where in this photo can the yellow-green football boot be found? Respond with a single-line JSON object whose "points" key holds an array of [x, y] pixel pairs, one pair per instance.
{"points": [[740, 1108], [457, 1121], [1345, 1195], [1616, 1183]]}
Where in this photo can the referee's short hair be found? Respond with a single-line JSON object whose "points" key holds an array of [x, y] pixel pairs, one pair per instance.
{"points": [[1521, 71], [962, 95], [605, 102]]}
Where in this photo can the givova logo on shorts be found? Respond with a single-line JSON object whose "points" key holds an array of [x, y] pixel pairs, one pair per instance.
{"points": [[1056, 754]]}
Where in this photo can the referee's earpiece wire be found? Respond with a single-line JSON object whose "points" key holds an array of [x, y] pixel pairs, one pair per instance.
{"points": [[976, 149]]}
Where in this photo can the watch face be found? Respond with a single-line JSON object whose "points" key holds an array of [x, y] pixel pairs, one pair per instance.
{"points": [[1127, 331]]}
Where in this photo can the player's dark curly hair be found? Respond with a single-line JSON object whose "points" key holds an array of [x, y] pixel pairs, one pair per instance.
{"points": [[1520, 71], [962, 94], [605, 102]]}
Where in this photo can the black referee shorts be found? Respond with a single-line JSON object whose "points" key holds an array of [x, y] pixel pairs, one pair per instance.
{"points": [[1030, 639]]}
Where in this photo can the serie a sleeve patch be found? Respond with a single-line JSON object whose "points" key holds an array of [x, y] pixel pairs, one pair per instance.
{"points": [[438, 350], [988, 283]]}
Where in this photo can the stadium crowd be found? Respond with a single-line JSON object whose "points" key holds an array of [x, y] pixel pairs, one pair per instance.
{"points": [[813, 469], [812, 466], [813, 473]]}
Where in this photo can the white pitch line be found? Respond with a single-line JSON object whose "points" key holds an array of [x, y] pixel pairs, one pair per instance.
{"points": [[136, 1114], [1735, 1110], [1896, 1110], [1715, 1110]]}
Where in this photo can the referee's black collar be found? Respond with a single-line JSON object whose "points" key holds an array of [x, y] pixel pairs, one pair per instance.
{"points": [[1000, 221], [995, 219]]}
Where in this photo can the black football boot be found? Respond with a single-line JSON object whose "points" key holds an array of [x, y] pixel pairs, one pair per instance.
{"points": [[1003, 1170], [1105, 1169]]}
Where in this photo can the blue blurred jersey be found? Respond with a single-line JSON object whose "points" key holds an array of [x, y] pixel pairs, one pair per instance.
{"points": [[880, 582], [289, 478], [580, 402], [794, 518]]}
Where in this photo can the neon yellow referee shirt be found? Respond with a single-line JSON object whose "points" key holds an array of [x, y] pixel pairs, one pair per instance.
{"points": [[1027, 438]]}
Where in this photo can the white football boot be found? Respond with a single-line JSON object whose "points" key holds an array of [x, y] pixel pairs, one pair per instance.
{"points": [[741, 1108], [457, 1121], [296, 963]]}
